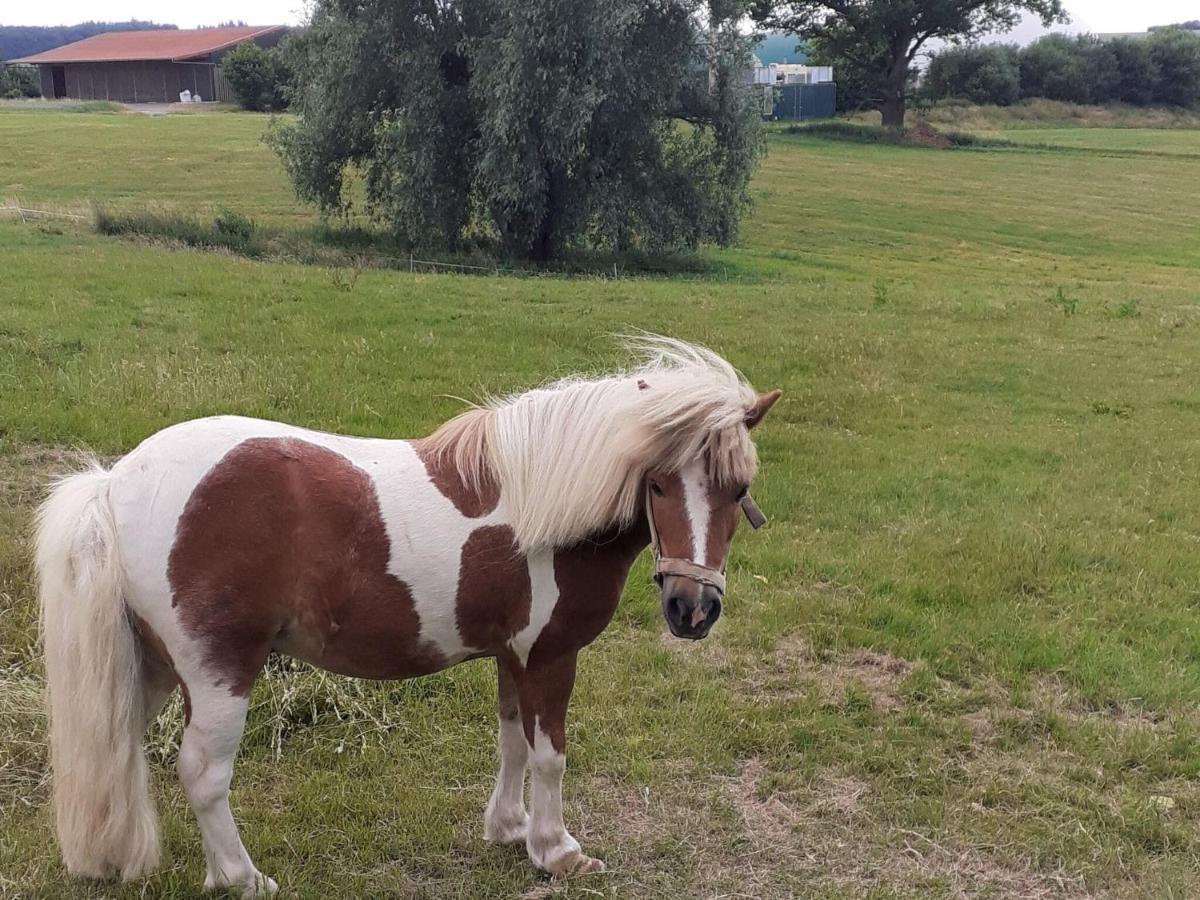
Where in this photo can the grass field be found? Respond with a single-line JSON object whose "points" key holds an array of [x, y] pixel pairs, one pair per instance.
{"points": [[1150, 141], [963, 659]]}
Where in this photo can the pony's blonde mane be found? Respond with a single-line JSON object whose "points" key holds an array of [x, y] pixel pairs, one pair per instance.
{"points": [[570, 457]]}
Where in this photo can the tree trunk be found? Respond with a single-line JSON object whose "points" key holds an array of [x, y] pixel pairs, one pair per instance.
{"points": [[895, 80], [548, 240], [892, 110]]}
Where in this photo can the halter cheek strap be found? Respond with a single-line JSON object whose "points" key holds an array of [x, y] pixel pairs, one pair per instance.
{"points": [[685, 568]]}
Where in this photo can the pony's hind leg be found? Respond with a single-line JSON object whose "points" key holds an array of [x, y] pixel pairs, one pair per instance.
{"points": [[506, 820], [210, 742]]}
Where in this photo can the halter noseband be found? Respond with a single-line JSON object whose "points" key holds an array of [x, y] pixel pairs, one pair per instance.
{"points": [[685, 568]]}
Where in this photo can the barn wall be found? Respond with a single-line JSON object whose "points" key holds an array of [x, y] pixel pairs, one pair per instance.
{"points": [[47, 82], [134, 82]]}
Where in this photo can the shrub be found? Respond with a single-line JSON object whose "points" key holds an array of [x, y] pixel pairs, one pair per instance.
{"points": [[1096, 63], [1050, 69], [1175, 57], [17, 82], [260, 78], [1163, 68], [233, 226], [985, 75], [229, 230], [1137, 74]]}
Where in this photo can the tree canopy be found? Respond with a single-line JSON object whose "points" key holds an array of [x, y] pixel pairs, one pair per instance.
{"points": [[874, 43], [1162, 68], [540, 124]]}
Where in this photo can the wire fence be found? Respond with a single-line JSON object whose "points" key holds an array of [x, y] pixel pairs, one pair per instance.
{"points": [[25, 213]]}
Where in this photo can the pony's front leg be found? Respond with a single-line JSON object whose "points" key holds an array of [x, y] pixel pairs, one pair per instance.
{"points": [[545, 691], [506, 821]]}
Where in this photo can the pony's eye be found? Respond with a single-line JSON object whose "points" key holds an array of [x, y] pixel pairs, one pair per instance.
{"points": [[743, 492], [656, 489]]}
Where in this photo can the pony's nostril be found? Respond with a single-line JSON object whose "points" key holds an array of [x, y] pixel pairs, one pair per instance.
{"points": [[675, 610], [713, 611]]}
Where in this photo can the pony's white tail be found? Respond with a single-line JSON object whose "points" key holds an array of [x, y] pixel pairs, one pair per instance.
{"points": [[103, 811]]}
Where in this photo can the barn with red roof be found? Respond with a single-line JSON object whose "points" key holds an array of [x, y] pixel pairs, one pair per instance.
{"points": [[146, 66]]}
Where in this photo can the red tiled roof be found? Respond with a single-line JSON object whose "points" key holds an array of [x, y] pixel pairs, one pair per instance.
{"points": [[173, 44]]}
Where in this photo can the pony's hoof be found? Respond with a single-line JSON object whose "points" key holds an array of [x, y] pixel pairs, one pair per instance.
{"points": [[577, 863], [258, 885], [511, 832]]}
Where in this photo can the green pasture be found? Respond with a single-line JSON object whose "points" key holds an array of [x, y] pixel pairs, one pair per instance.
{"points": [[963, 658], [1151, 141]]}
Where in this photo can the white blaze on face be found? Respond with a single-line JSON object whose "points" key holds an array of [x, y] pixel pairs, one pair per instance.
{"points": [[695, 499]]}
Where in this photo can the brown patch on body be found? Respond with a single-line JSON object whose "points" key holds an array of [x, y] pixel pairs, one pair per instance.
{"points": [[589, 576], [443, 472], [493, 589], [283, 543]]}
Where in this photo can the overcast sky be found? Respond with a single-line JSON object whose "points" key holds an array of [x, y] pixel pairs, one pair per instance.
{"points": [[1087, 15]]}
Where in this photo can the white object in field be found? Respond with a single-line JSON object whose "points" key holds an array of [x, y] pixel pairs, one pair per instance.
{"points": [[185, 96], [196, 98]]}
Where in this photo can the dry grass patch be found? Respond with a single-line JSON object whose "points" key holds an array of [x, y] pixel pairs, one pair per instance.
{"points": [[1050, 692], [771, 817], [27, 470], [794, 671], [832, 832], [967, 872]]}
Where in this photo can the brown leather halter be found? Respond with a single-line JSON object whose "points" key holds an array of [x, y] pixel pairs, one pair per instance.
{"points": [[686, 568]]}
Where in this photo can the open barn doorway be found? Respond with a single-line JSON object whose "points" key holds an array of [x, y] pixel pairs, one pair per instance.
{"points": [[59, 75]]}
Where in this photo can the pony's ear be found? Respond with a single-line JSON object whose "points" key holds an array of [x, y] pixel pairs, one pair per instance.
{"points": [[755, 414]]}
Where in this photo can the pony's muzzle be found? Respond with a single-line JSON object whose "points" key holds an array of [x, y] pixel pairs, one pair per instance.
{"points": [[689, 607]]}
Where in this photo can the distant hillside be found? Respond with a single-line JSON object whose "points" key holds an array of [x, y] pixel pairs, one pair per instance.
{"points": [[779, 48], [1193, 25], [25, 40]]}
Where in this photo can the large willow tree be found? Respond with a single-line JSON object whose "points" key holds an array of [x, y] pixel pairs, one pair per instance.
{"points": [[543, 124]]}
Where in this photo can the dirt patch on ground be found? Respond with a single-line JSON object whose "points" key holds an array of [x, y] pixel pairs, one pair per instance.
{"points": [[1052, 693], [969, 873], [880, 673], [794, 671], [922, 134], [1049, 694], [829, 832], [770, 818]]}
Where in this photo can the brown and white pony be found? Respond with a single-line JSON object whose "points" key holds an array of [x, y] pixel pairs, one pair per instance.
{"points": [[508, 533]]}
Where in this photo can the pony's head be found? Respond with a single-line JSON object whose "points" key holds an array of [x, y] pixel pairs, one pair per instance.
{"points": [[693, 513], [668, 440]]}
